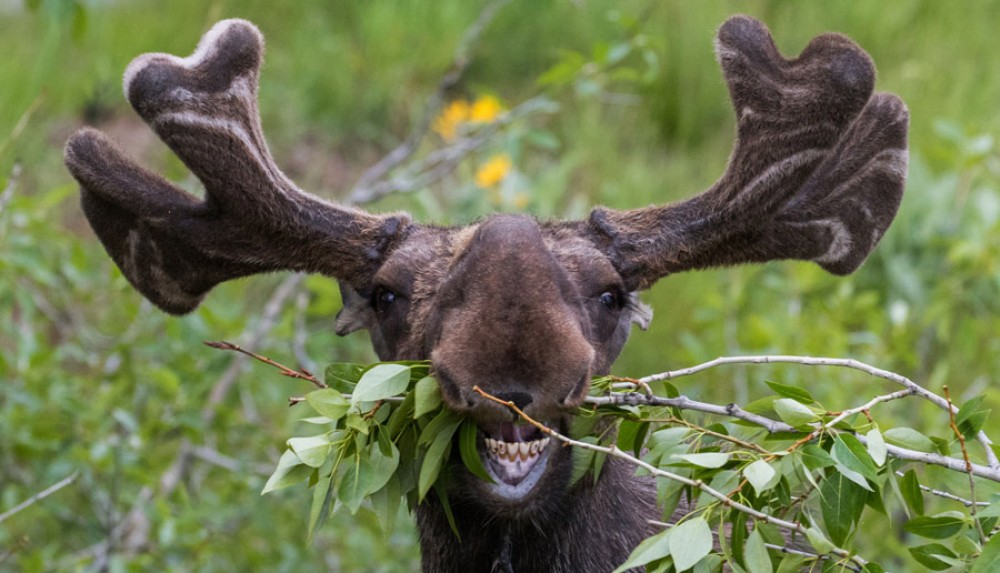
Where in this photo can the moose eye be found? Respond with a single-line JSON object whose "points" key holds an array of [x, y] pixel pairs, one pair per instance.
{"points": [[610, 300], [383, 299]]}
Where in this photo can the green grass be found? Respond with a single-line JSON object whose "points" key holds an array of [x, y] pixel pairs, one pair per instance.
{"points": [[94, 379]]}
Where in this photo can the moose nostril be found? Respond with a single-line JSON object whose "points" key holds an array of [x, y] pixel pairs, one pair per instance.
{"points": [[520, 399]]}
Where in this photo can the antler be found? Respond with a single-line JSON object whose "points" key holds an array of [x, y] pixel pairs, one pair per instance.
{"points": [[174, 247], [817, 172]]}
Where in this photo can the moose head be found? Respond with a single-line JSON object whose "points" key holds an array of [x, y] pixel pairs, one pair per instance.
{"points": [[525, 309]]}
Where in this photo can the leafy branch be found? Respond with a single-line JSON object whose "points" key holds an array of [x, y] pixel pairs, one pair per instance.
{"points": [[835, 464]]}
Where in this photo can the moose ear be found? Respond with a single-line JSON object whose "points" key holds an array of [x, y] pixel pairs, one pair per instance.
{"points": [[817, 172], [356, 313]]}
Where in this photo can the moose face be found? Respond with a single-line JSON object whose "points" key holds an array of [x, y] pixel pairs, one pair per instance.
{"points": [[527, 311]]}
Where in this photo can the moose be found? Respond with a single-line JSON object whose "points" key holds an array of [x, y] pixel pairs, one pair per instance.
{"points": [[527, 310]]}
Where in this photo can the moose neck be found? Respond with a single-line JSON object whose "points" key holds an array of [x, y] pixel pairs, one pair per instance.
{"points": [[569, 532]]}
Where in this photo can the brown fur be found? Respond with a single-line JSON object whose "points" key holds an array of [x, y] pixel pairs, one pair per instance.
{"points": [[526, 310]]}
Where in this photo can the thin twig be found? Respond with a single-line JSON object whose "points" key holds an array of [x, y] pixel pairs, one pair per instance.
{"points": [[948, 495], [39, 496], [459, 64], [285, 371], [698, 484], [968, 467]]}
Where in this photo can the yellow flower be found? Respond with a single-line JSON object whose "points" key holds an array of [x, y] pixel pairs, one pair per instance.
{"points": [[446, 124], [485, 109], [493, 171]]}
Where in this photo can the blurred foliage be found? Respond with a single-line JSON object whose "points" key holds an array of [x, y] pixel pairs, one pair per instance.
{"points": [[94, 380]]}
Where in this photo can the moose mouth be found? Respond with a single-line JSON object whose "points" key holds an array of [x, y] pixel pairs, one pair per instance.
{"points": [[516, 455]]}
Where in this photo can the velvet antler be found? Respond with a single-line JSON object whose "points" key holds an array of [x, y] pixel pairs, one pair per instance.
{"points": [[174, 247], [817, 172]]}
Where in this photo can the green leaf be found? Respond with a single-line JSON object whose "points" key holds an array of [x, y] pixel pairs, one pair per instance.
{"points": [[290, 471], [971, 417], [444, 420], [909, 438], [467, 447], [689, 542], [383, 464], [355, 482], [357, 422], [329, 403], [427, 396], [930, 556], [583, 460], [910, 488], [321, 502], [941, 526], [442, 495], [989, 559], [819, 542], [651, 549], [380, 382], [848, 451], [385, 504], [841, 502], [343, 376], [991, 510], [876, 447], [761, 476], [816, 458], [755, 554], [437, 455], [792, 564], [793, 392], [710, 460], [794, 413], [312, 450]]}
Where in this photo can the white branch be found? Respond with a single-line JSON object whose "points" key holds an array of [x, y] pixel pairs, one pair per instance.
{"points": [[39, 496], [917, 389]]}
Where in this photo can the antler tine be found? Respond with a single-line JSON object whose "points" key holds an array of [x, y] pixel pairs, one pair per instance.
{"points": [[174, 247], [817, 172]]}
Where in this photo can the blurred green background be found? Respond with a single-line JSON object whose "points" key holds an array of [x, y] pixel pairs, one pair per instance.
{"points": [[96, 381]]}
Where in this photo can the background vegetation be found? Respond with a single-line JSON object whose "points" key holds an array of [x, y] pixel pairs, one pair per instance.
{"points": [[95, 382]]}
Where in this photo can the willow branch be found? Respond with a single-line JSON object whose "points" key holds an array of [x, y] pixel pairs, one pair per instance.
{"points": [[776, 426], [850, 363]]}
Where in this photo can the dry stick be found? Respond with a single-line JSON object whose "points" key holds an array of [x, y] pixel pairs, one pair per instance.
{"points": [[39, 496], [917, 389], [615, 452], [363, 191], [968, 468]]}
